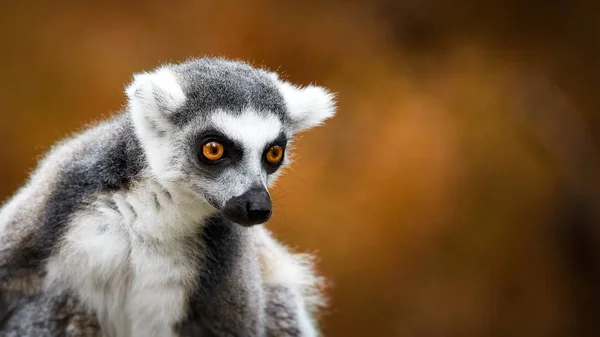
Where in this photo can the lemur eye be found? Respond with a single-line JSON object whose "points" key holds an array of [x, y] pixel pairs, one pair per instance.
{"points": [[213, 151], [274, 154]]}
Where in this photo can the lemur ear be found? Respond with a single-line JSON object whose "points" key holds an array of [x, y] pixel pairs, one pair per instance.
{"points": [[155, 94], [308, 106]]}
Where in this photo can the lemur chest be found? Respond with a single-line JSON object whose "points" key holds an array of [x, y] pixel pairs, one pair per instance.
{"points": [[133, 259]]}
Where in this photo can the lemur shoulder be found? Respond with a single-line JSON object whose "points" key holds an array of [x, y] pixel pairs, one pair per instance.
{"points": [[148, 224]]}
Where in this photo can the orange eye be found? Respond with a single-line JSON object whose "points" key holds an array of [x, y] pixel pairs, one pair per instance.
{"points": [[213, 151], [274, 154]]}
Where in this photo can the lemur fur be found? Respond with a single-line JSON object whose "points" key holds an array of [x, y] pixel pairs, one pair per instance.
{"points": [[126, 230]]}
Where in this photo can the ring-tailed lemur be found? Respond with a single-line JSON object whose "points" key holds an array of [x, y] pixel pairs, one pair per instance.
{"points": [[143, 224]]}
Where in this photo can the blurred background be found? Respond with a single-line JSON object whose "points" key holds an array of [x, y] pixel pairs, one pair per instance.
{"points": [[454, 194]]}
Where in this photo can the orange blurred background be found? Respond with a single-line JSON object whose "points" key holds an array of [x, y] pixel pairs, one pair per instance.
{"points": [[454, 194]]}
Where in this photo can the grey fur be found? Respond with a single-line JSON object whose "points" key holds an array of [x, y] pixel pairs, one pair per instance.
{"points": [[107, 157], [215, 83], [49, 316], [280, 314], [82, 177]]}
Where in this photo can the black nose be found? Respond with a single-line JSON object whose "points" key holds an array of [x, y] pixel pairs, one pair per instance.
{"points": [[259, 208], [251, 208]]}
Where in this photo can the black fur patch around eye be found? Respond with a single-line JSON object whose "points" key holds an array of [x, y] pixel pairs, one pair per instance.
{"points": [[281, 140], [232, 154]]}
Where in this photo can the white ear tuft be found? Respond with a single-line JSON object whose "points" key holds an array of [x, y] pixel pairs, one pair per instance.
{"points": [[309, 106], [155, 93]]}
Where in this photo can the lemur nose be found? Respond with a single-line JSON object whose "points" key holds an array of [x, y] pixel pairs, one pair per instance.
{"points": [[258, 205], [258, 213], [251, 208]]}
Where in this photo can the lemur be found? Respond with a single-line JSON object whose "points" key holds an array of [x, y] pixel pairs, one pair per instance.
{"points": [[148, 223]]}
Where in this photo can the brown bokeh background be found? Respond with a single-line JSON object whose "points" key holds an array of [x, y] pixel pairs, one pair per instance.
{"points": [[454, 194]]}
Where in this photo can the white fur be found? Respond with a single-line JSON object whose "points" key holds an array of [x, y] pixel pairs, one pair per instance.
{"points": [[146, 87], [309, 106], [145, 109], [253, 130], [135, 273]]}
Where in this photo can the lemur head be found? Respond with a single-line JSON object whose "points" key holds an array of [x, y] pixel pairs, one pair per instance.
{"points": [[222, 130]]}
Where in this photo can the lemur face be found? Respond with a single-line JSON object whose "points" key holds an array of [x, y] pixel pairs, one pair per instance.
{"points": [[222, 130]]}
